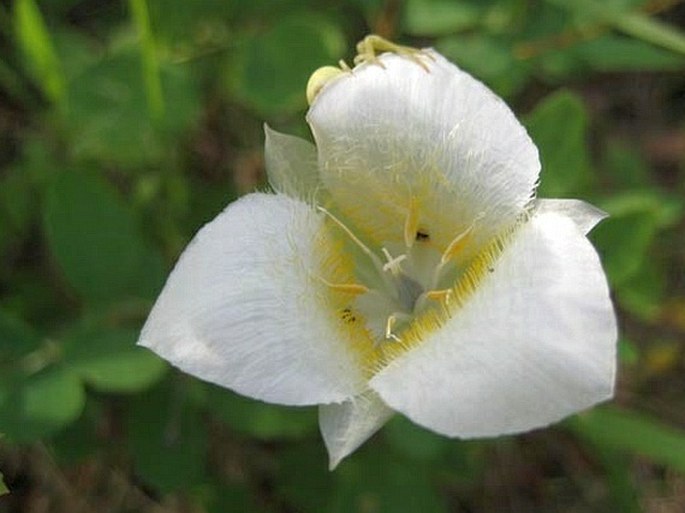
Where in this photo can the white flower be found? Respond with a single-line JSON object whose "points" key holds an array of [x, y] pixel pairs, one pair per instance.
{"points": [[403, 265]]}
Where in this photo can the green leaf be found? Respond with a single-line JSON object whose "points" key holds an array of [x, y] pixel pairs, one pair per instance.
{"points": [[94, 239], [36, 44], [440, 17], [386, 486], [620, 480], [148, 54], [260, 420], [633, 433], [3, 487], [271, 69], [83, 438], [168, 438], [623, 17], [106, 101], [612, 53], [650, 29], [413, 441], [558, 126], [110, 361], [489, 59], [302, 478], [39, 405], [625, 166], [232, 499], [625, 237], [16, 338]]}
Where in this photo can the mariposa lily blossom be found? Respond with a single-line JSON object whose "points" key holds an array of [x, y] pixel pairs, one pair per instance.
{"points": [[403, 264]]}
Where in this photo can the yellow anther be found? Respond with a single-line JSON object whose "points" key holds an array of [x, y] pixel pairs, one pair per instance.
{"points": [[456, 246], [347, 288], [369, 48], [411, 223], [320, 78], [443, 295]]}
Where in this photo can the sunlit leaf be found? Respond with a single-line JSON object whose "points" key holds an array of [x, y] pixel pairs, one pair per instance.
{"points": [[39, 405], [94, 239], [110, 361], [148, 55], [489, 59], [558, 126], [36, 43], [272, 68], [618, 53]]}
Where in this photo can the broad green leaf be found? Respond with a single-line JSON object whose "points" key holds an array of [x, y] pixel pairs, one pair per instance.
{"points": [[643, 292], [625, 166], [107, 101], [36, 44], [440, 17], [271, 69], [611, 53], [558, 126], [413, 441], [625, 237], [94, 238], [303, 479], [489, 59], [261, 420], [633, 433], [39, 405], [110, 361], [390, 486], [16, 338], [168, 438]]}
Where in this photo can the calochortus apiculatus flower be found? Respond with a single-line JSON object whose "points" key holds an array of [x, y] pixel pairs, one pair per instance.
{"points": [[402, 265]]}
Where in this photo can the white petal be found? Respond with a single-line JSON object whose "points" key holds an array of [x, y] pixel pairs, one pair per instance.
{"points": [[290, 164], [241, 308], [535, 343], [388, 133], [585, 216], [346, 426]]}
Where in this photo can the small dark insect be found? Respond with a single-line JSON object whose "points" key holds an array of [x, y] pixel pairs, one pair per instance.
{"points": [[422, 235]]}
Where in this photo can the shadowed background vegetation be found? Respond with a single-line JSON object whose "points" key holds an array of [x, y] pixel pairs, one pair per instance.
{"points": [[124, 126]]}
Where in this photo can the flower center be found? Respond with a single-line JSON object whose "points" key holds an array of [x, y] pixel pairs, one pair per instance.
{"points": [[400, 283]]}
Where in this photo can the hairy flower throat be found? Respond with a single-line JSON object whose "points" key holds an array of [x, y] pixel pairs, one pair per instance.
{"points": [[402, 288]]}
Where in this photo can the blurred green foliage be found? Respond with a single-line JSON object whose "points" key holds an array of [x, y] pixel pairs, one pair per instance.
{"points": [[124, 126]]}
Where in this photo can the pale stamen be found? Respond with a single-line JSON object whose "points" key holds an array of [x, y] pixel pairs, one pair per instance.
{"points": [[389, 325], [393, 263]]}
